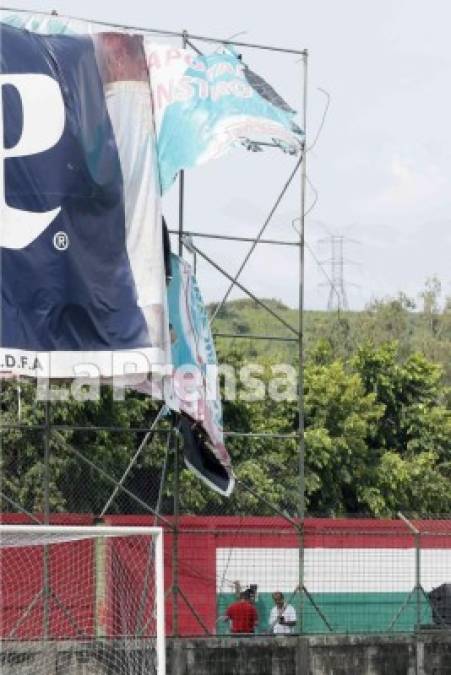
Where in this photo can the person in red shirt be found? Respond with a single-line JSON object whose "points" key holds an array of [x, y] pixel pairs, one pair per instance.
{"points": [[242, 615]]}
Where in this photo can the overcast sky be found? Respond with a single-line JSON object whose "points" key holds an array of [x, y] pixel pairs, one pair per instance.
{"points": [[381, 165]]}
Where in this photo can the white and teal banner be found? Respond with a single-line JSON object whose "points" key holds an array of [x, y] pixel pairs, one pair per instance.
{"points": [[205, 105], [194, 357]]}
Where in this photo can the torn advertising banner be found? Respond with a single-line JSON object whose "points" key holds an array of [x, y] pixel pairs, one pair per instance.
{"points": [[82, 271], [205, 105], [194, 357]]}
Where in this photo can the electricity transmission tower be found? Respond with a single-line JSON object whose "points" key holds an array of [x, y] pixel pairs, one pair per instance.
{"points": [[338, 298]]}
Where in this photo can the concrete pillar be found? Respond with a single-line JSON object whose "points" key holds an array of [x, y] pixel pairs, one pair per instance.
{"points": [[303, 657], [419, 656]]}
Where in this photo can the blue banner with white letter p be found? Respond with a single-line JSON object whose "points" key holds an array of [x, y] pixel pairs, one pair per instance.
{"points": [[71, 288]]}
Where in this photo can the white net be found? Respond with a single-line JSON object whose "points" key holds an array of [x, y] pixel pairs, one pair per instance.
{"points": [[81, 601]]}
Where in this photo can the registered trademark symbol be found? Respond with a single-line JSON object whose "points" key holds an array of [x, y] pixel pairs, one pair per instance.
{"points": [[61, 241]]}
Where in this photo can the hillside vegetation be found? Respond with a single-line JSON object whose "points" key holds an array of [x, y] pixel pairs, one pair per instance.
{"points": [[423, 327]]}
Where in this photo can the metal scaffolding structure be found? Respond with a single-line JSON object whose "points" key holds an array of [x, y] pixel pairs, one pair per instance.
{"points": [[187, 241]]}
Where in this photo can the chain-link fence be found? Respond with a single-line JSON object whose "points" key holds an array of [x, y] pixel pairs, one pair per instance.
{"points": [[334, 576], [355, 575]]}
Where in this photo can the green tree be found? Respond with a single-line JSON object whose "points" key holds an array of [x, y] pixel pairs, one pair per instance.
{"points": [[409, 454], [74, 485], [377, 438]]}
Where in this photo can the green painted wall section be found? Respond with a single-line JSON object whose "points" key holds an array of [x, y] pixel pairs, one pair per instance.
{"points": [[345, 612]]}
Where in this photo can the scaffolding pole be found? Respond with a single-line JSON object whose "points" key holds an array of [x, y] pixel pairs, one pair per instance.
{"points": [[301, 417]]}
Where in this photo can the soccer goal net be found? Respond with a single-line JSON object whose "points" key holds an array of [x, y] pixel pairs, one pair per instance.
{"points": [[81, 600]]}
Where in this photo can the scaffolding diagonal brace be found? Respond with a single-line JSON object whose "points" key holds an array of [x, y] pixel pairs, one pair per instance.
{"points": [[244, 289]]}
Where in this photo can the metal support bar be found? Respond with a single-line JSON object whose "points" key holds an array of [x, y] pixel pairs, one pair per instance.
{"points": [[301, 314], [159, 431], [301, 418], [410, 525], [27, 611], [401, 609], [247, 336], [19, 507], [176, 476], [181, 208], [46, 589], [194, 612], [193, 47], [68, 614], [133, 460], [262, 434], [163, 33], [234, 280], [175, 543], [135, 430], [72, 427], [163, 476], [112, 480], [181, 186], [229, 237], [317, 608], [252, 45], [244, 289], [94, 427], [418, 587], [151, 556]]}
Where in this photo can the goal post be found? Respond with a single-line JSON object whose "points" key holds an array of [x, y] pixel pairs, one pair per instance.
{"points": [[79, 599]]}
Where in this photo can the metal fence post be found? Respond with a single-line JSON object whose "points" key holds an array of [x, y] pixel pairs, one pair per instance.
{"points": [[46, 486], [175, 542], [301, 420], [418, 589]]}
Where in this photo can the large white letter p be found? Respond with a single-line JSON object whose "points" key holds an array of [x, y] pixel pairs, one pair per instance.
{"points": [[43, 118]]}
